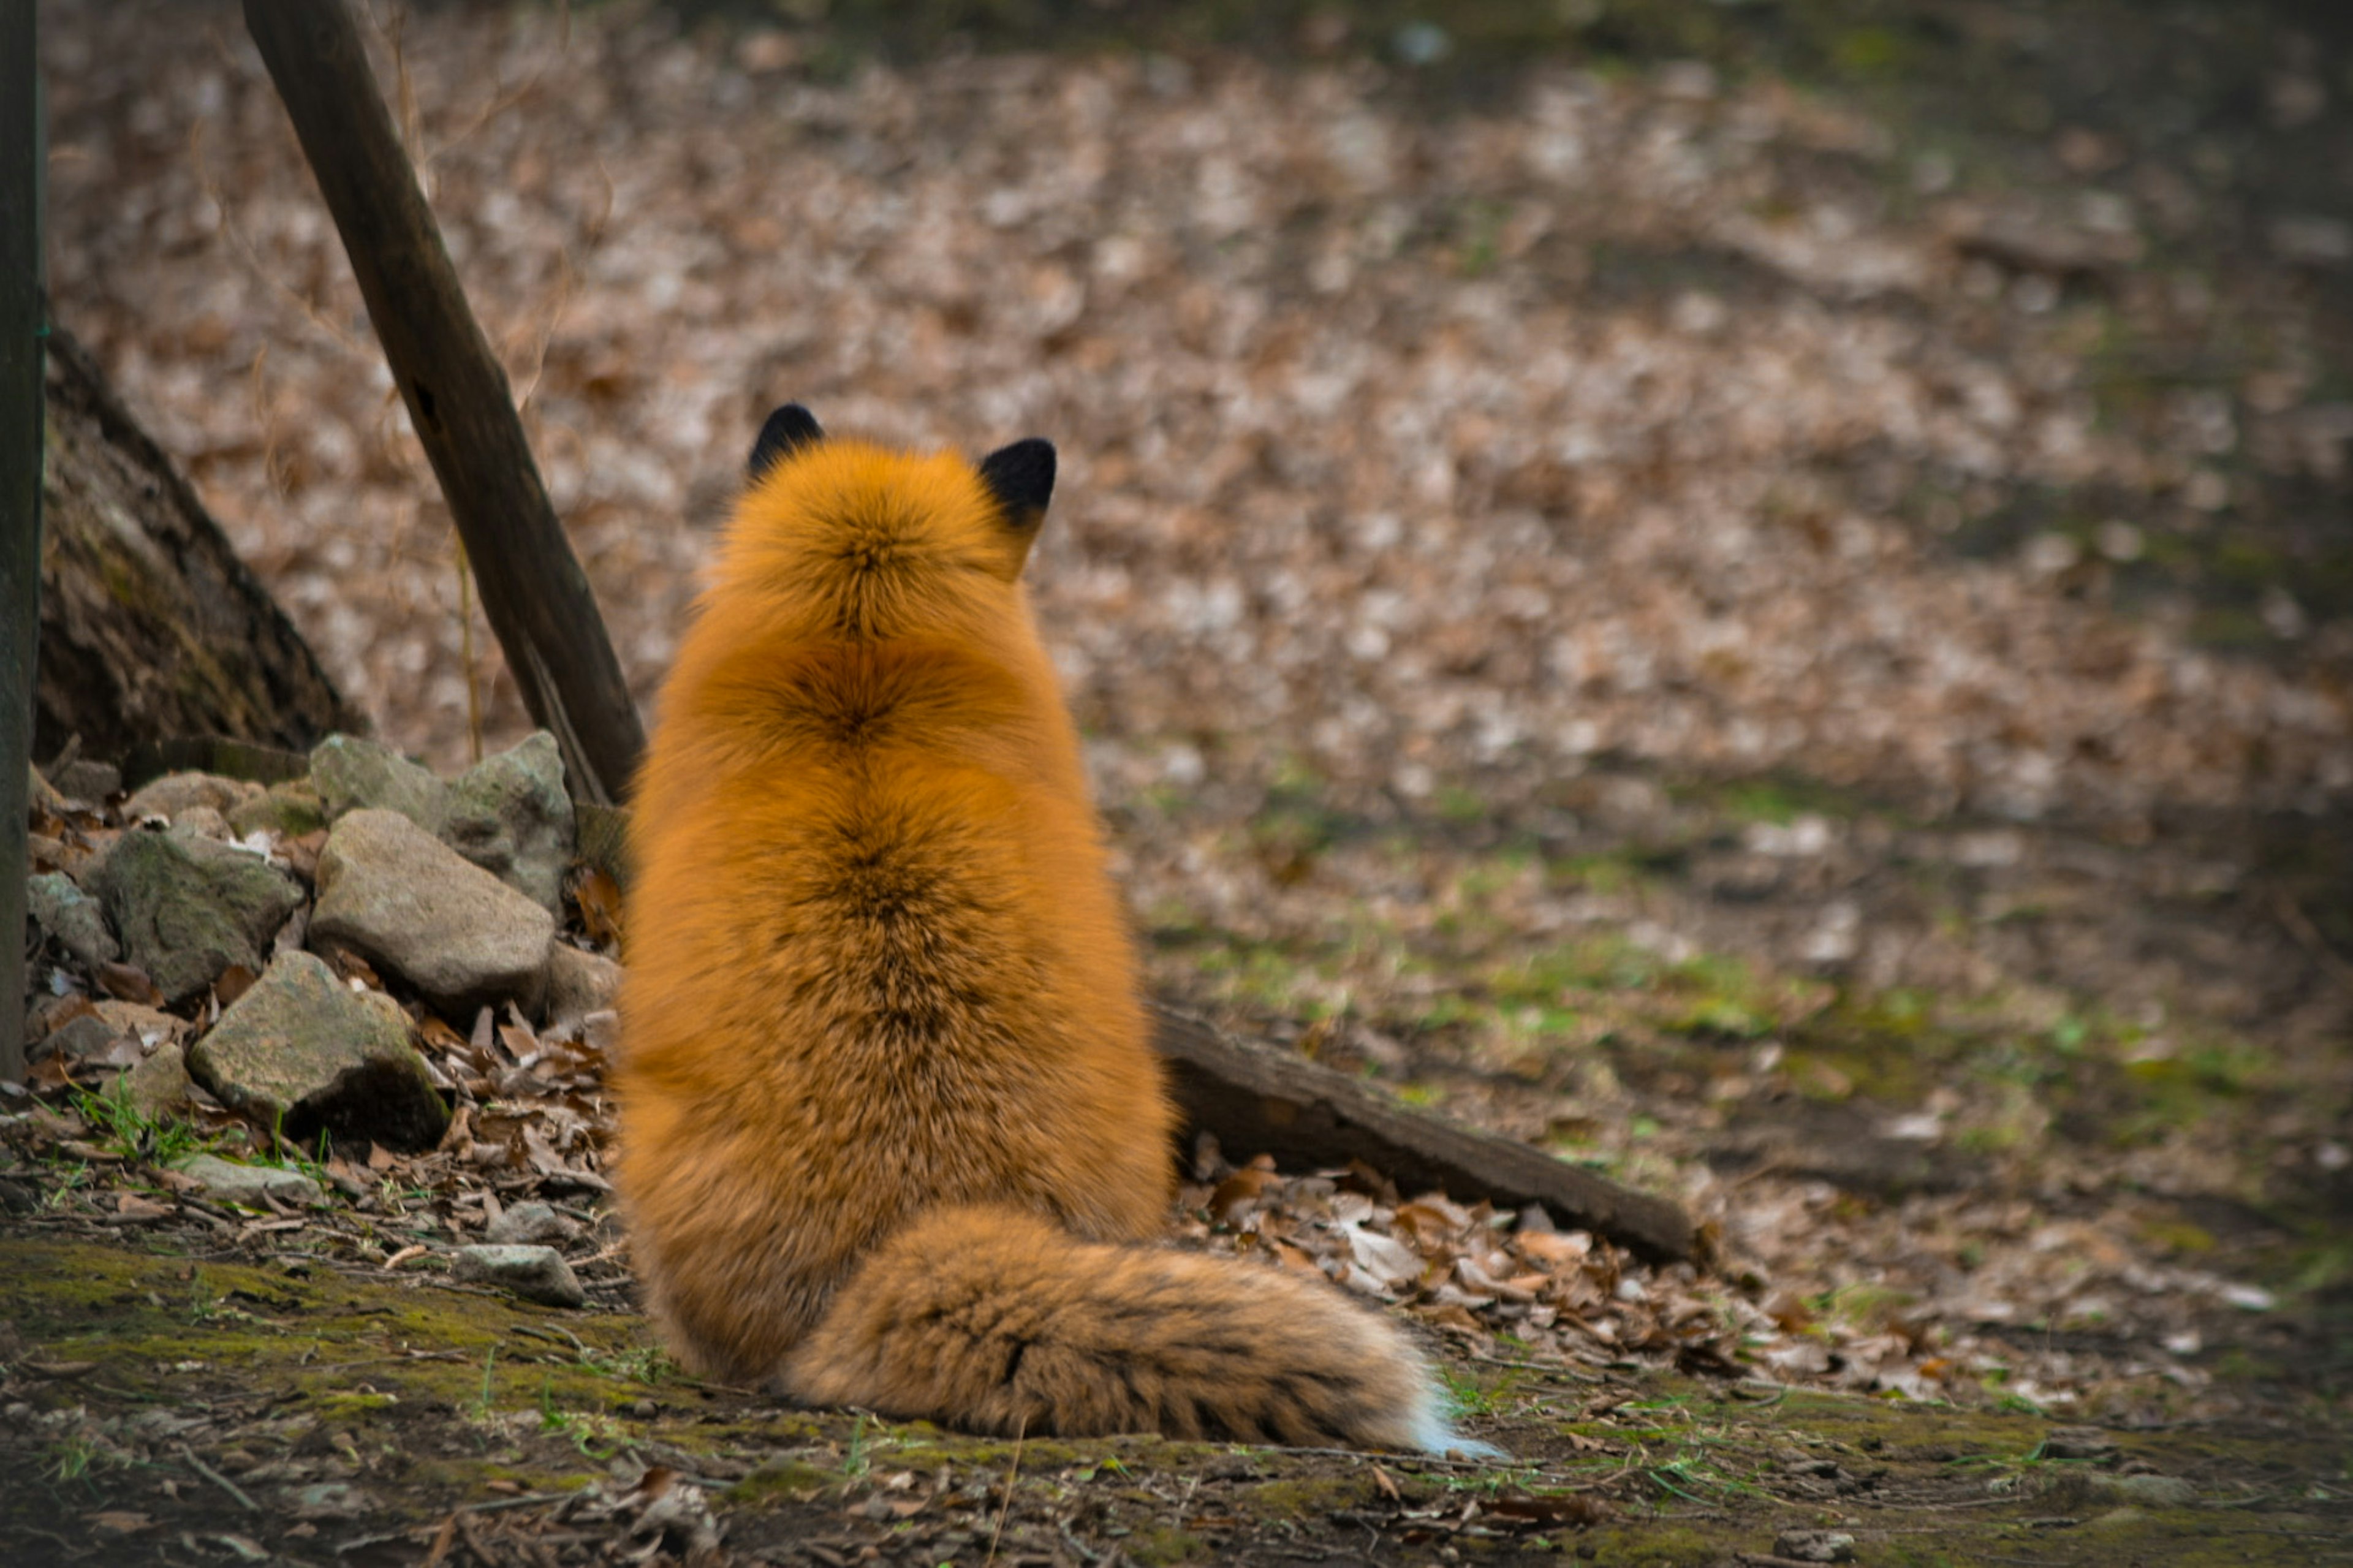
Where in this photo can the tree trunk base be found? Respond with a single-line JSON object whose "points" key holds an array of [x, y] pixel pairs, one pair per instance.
{"points": [[152, 628]]}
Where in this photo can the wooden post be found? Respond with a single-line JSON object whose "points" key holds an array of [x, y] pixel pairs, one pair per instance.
{"points": [[534, 591], [21, 320]]}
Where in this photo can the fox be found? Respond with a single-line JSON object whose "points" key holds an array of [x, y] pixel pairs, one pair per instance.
{"points": [[892, 1133]]}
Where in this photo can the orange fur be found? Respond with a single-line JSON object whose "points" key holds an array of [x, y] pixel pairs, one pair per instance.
{"points": [[892, 1128]]}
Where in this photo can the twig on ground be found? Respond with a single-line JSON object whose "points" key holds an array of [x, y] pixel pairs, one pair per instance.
{"points": [[1561, 1369], [443, 1539], [500, 1505], [219, 1479], [1012, 1474]]}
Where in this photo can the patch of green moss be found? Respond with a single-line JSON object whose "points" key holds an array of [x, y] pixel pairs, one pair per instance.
{"points": [[788, 1480], [134, 1313], [1867, 53], [475, 1475], [1260, 974], [2229, 627], [1649, 1545], [1603, 874], [1460, 806], [1308, 1496]]}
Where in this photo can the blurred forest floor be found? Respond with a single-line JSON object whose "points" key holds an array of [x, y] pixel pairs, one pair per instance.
{"points": [[1759, 594]]}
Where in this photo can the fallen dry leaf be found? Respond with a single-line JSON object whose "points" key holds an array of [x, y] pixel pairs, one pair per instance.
{"points": [[234, 981], [128, 983], [598, 899]]}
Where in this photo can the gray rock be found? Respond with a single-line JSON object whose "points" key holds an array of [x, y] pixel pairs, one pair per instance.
{"points": [[157, 1085], [509, 813], [173, 793], [187, 908], [531, 1224], [226, 1182], [43, 797], [77, 1039], [352, 775], [535, 1273], [303, 1052], [288, 810], [408, 903], [579, 984], [511, 816], [332, 1500], [85, 779], [601, 1033], [148, 1026], [201, 822], [72, 918], [1815, 1546]]}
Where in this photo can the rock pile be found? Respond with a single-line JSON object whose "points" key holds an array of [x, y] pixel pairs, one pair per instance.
{"points": [[281, 952]]}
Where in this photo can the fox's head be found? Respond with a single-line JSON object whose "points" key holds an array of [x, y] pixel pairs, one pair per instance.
{"points": [[864, 542]]}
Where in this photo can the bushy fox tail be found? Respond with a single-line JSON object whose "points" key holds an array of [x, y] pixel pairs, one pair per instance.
{"points": [[996, 1320]]}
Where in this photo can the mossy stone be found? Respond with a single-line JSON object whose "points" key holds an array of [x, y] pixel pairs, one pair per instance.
{"points": [[72, 917], [187, 908], [288, 810], [157, 1086], [511, 816], [233, 1181], [349, 773], [303, 1052]]}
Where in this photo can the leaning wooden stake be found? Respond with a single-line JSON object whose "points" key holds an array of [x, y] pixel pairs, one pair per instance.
{"points": [[21, 316], [534, 591]]}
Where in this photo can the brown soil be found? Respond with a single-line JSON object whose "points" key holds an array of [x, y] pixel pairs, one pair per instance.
{"points": [[175, 1402]]}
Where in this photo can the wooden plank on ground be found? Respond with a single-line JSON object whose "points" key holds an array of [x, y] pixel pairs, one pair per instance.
{"points": [[1257, 1099]]}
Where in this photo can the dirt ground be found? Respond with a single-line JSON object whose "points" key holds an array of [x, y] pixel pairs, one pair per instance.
{"points": [[194, 1408], [1757, 595]]}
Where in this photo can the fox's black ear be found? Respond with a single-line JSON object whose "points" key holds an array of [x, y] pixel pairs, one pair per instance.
{"points": [[789, 429], [1021, 478]]}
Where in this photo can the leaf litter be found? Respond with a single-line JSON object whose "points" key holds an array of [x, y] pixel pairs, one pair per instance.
{"points": [[1521, 457]]}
